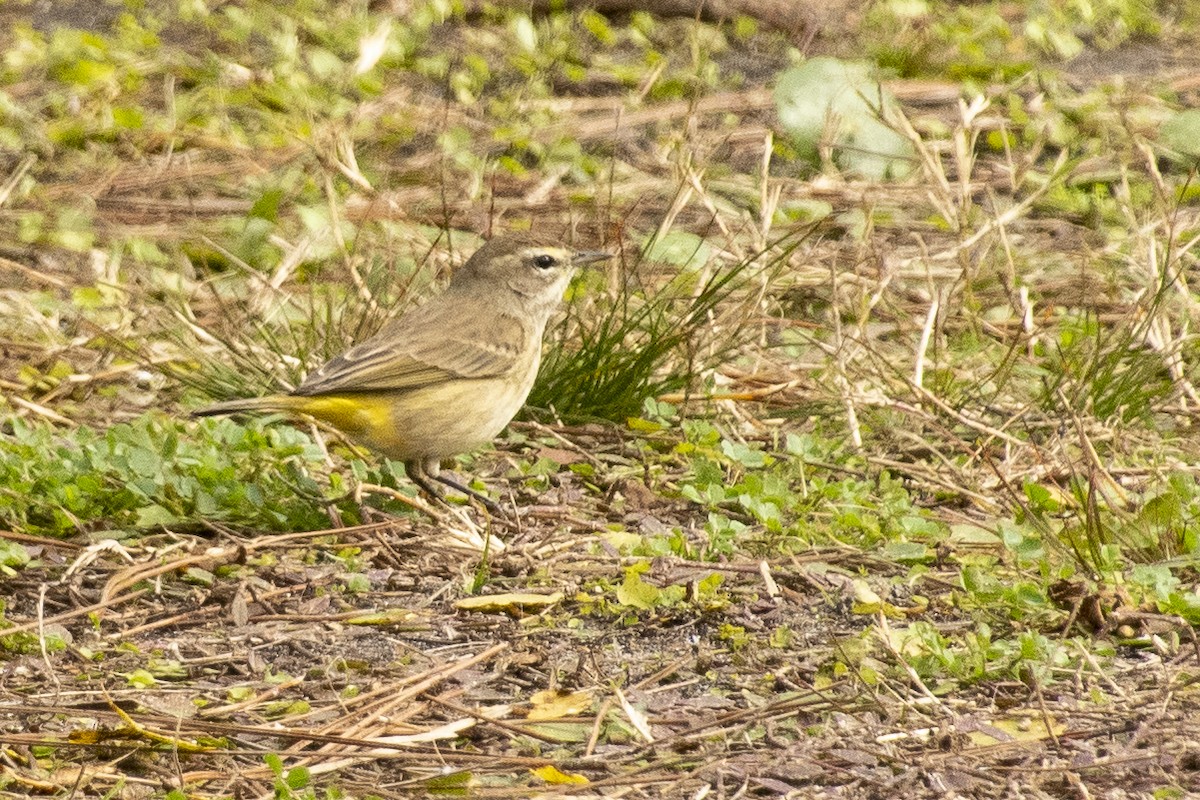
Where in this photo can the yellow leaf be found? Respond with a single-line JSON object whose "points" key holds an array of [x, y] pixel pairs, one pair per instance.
{"points": [[510, 602], [551, 774], [864, 594], [1017, 727], [635, 592], [639, 425], [392, 616], [556, 705], [621, 540], [866, 601], [84, 737]]}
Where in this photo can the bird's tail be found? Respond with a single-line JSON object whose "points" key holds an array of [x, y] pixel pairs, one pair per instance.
{"points": [[274, 402]]}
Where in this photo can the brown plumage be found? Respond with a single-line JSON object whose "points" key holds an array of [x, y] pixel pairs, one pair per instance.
{"points": [[447, 376]]}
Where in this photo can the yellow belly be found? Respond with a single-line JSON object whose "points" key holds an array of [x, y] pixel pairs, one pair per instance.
{"points": [[433, 422]]}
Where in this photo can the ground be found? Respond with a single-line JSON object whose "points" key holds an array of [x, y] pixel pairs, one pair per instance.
{"points": [[852, 476]]}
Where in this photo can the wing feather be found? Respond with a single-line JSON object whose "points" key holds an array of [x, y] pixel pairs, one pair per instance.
{"points": [[423, 347]]}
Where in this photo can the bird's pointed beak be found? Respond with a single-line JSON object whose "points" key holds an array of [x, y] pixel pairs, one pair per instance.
{"points": [[581, 257]]}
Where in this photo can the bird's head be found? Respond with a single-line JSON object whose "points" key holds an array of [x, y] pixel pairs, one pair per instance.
{"points": [[535, 268]]}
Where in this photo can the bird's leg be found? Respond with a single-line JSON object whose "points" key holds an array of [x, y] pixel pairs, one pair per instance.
{"points": [[487, 502], [417, 474], [421, 472]]}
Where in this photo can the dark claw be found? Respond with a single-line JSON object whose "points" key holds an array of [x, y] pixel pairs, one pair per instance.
{"points": [[487, 502]]}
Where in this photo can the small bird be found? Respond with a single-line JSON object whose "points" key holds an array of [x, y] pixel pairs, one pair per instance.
{"points": [[447, 376]]}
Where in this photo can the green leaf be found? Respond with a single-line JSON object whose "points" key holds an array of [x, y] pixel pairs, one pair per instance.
{"points": [[826, 101], [141, 679], [906, 552], [13, 554], [155, 516], [273, 761], [357, 583], [298, 777], [267, 205], [636, 593], [680, 248]]}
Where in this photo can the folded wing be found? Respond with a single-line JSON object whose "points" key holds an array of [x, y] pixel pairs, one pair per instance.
{"points": [[421, 349]]}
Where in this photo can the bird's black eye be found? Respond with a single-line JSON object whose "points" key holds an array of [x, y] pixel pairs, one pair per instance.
{"points": [[544, 261]]}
